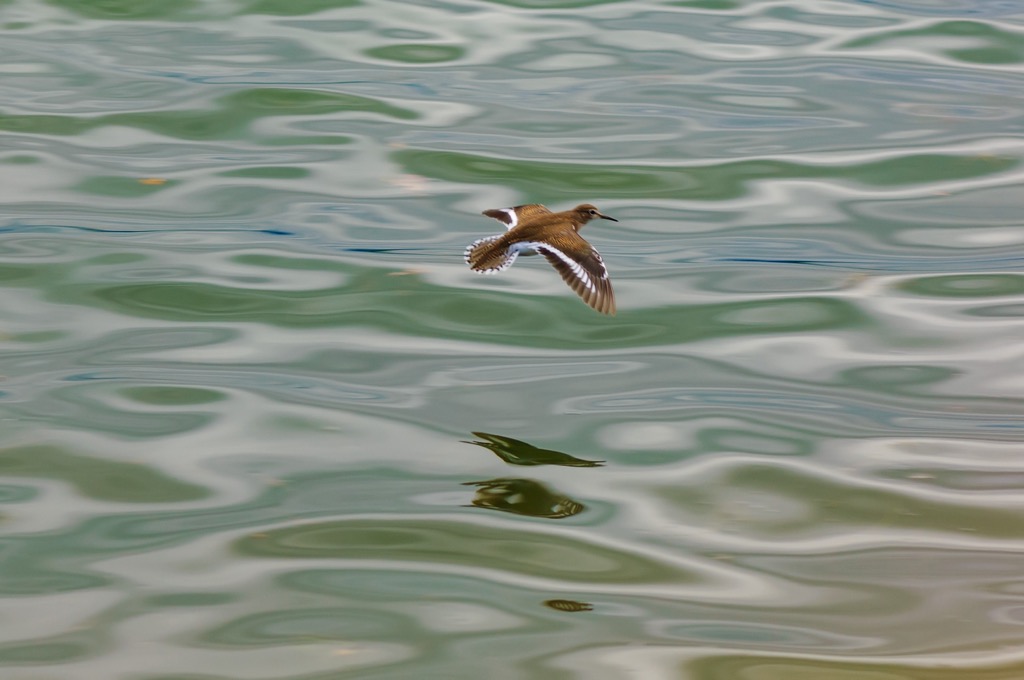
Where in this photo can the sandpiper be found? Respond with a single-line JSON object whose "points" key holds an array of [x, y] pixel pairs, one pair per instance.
{"points": [[535, 229]]}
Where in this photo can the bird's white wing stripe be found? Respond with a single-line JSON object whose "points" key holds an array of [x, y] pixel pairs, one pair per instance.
{"points": [[575, 267], [513, 219], [604, 269]]}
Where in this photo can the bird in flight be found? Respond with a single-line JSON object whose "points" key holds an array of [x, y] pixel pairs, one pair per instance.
{"points": [[555, 235]]}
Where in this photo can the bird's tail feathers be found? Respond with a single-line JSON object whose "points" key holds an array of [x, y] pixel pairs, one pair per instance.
{"points": [[487, 256]]}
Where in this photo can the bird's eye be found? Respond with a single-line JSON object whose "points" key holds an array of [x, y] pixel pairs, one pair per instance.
{"points": [[593, 212]]}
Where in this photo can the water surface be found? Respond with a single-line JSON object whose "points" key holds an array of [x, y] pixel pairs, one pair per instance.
{"points": [[261, 421]]}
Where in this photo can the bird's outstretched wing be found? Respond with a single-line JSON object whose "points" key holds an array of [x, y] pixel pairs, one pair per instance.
{"points": [[587, 275], [510, 217]]}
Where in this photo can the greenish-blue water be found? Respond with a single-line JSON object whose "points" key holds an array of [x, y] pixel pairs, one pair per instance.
{"points": [[260, 421]]}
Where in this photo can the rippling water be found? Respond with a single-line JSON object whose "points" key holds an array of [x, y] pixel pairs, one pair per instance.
{"points": [[260, 420]]}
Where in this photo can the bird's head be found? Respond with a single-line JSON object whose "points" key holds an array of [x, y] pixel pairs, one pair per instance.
{"points": [[587, 212]]}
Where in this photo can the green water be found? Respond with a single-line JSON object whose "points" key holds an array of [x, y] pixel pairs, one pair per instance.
{"points": [[260, 421]]}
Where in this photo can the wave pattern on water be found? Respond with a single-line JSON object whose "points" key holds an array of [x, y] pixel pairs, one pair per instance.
{"points": [[243, 362]]}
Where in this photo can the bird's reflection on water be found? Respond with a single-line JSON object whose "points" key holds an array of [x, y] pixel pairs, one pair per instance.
{"points": [[516, 452], [523, 497]]}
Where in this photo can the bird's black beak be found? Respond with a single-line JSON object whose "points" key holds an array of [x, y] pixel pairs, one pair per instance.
{"points": [[605, 217]]}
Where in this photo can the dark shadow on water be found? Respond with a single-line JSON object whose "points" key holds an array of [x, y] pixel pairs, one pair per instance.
{"points": [[516, 452], [523, 497]]}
